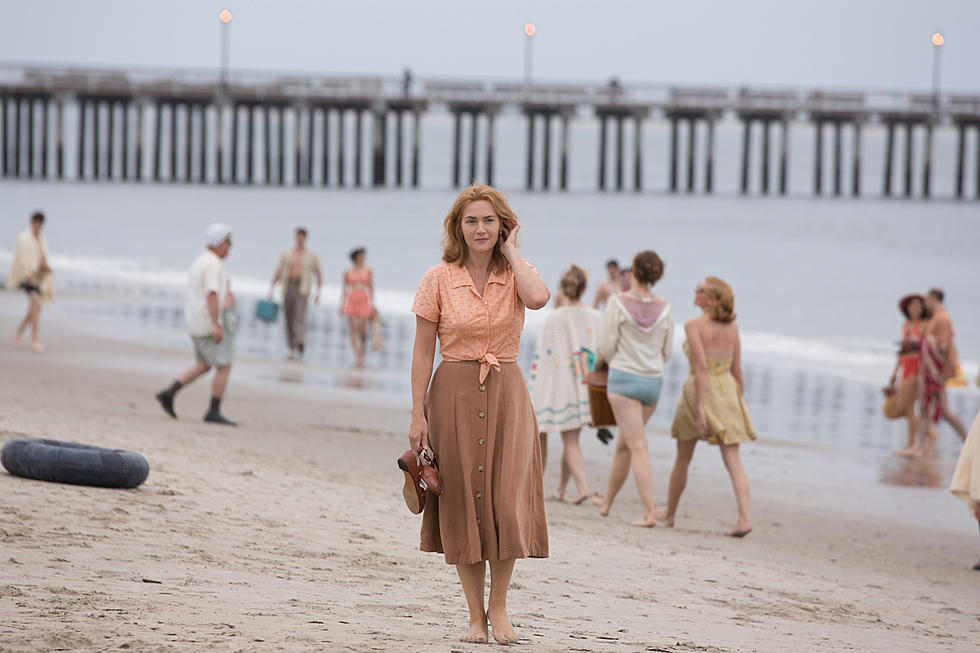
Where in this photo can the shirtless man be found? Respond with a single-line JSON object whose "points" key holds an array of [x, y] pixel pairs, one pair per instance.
{"points": [[610, 286], [938, 365], [297, 266]]}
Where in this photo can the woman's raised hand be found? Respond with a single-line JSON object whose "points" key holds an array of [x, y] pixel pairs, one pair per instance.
{"points": [[509, 243], [418, 433]]}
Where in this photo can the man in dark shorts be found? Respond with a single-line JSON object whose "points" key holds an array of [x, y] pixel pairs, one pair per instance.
{"points": [[31, 273]]}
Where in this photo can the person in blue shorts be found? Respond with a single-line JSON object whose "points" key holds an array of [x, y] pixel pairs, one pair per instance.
{"points": [[636, 338]]}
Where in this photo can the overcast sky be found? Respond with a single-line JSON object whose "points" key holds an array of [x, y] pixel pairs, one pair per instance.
{"points": [[813, 43]]}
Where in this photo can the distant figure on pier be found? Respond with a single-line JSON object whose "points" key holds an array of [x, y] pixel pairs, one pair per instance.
{"points": [[558, 394], [966, 477], [902, 391], [407, 81], [636, 338], [711, 407], [357, 302], [30, 272], [938, 364], [296, 269], [208, 297], [610, 286]]}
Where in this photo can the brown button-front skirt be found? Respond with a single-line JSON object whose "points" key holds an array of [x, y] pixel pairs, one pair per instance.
{"points": [[486, 441]]}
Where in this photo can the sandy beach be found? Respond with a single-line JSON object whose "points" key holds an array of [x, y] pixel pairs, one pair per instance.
{"points": [[289, 534]]}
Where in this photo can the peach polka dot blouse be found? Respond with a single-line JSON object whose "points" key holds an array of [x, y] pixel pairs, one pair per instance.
{"points": [[470, 327]]}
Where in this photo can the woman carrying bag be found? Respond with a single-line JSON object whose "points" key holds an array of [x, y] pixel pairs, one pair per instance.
{"points": [[636, 338], [476, 414]]}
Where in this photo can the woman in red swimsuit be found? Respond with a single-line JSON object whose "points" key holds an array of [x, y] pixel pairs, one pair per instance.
{"points": [[904, 383], [358, 302]]}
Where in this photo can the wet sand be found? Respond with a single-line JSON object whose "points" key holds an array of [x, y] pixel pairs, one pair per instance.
{"points": [[289, 533]]}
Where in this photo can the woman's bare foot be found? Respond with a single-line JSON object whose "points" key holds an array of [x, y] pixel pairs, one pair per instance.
{"points": [[503, 629], [17, 342], [38, 347], [740, 531], [663, 519], [647, 521], [600, 501], [477, 634], [580, 499], [559, 495], [907, 452]]}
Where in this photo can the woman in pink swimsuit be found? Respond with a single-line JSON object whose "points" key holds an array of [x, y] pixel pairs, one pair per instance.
{"points": [[358, 303]]}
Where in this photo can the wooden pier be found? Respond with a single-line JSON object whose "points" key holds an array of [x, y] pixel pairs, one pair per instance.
{"points": [[191, 127]]}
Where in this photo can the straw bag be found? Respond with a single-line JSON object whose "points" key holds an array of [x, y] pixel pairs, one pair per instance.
{"points": [[377, 332], [602, 414]]}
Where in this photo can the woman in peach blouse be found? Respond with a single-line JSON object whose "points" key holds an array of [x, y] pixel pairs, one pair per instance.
{"points": [[477, 415]]}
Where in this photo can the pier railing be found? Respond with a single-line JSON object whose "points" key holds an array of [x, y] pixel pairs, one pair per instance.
{"points": [[110, 100]]}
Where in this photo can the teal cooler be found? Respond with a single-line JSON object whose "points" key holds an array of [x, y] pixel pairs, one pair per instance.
{"points": [[266, 311]]}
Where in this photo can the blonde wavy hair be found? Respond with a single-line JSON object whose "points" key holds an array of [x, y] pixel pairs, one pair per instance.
{"points": [[573, 282], [454, 248], [721, 292]]}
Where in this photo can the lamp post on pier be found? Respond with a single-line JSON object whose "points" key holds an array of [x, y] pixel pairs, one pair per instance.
{"points": [[529, 30], [937, 60], [225, 18]]}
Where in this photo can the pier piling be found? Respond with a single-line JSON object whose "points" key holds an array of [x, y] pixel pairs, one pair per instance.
{"points": [[691, 134], [765, 157], [546, 164], [889, 158], [746, 151], [709, 156], [784, 157], [856, 162], [908, 159], [602, 152], [818, 165], [474, 127], [673, 154]]}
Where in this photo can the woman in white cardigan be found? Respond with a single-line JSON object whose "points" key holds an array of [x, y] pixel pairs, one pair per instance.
{"points": [[636, 338]]}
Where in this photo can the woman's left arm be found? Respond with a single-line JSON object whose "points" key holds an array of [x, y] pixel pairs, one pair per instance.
{"points": [[737, 362], [531, 289]]}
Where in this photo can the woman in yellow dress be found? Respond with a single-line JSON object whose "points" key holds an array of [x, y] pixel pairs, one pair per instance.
{"points": [[711, 407]]}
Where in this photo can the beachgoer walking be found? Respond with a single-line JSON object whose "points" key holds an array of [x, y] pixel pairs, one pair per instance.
{"points": [[30, 272], [636, 338], [357, 302], [625, 279], [208, 293], [966, 476], [610, 286], [297, 267], [711, 407], [903, 387], [938, 364], [559, 396], [477, 415]]}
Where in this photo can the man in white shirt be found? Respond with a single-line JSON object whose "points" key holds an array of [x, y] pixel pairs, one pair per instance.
{"points": [[207, 289]]}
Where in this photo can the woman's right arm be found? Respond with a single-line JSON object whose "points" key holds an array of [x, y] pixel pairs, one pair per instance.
{"points": [[422, 356], [700, 374], [737, 362], [608, 340]]}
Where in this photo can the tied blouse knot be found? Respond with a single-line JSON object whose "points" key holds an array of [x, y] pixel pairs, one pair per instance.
{"points": [[472, 327]]}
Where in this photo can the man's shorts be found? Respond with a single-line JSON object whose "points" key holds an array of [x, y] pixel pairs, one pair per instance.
{"points": [[214, 354]]}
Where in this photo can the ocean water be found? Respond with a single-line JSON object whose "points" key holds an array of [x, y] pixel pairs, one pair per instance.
{"points": [[816, 281]]}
